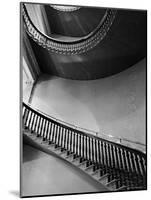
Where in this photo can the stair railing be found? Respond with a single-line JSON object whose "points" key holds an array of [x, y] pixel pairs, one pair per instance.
{"points": [[71, 47], [96, 150]]}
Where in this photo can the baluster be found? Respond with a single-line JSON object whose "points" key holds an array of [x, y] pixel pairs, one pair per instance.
{"points": [[39, 126], [24, 115], [113, 156], [23, 110], [105, 153], [63, 139], [95, 149], [56, 133], [120, 157], [65, 132], [61, 142], [110, 156], [44, 130], [83, 146], [80, 145], [40, 120], [116, 157], [138, 164], [53, 133], [47, 130], [66, 137], [31, 121], [77, 144], [102, 153], [128, 161], [67, 140], [43, 127], [59, 135], [124, 160], [42, 124], [86, 148], [74, 142], [142, 165], [81, 136], [35, 123], [132, 162], [90, 148], [99, 153], [71, 149], [28, 119]]}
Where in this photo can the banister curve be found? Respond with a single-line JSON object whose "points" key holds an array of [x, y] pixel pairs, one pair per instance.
{"points": [[70, 47]]}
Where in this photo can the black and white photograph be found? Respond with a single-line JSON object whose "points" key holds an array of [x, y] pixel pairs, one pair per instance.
{"points": [[83, 105]]}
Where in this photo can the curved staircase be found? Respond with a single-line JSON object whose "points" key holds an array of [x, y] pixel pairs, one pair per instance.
{"points": [[116, 167]]}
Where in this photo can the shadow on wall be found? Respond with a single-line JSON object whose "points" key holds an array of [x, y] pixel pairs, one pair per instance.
{"points": [[114, 105]]}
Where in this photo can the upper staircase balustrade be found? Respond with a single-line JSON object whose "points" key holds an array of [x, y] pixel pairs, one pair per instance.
{"points": [[69, 47]]}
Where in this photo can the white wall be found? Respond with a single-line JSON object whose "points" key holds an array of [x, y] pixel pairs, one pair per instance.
{"points": [[44, 174], [114, 105]]}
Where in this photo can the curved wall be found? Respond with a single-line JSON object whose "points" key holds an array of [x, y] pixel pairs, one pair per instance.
{"points": [[114, 105], [75, 24], [122, 47], [44, 174]]}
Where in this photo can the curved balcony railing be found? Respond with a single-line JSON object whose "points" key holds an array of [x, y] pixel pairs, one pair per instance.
{"points": [[69, 47], [96, 150]]}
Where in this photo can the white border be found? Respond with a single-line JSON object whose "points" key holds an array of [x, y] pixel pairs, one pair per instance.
{"points": [[9, 99]]}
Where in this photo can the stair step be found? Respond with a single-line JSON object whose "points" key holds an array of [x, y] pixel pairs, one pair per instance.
{"points": [[62, 154], [121, 188], [112, 184], [104, 179], [76, 161], [89, 168], [96, 172], [82, 164], [70, 155], [57, 148]]}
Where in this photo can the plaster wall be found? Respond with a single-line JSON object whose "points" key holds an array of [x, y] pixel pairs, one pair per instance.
{"points": [[114, 105]]}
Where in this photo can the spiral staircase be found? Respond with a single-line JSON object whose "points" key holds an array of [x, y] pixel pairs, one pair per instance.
{"points": [[115, 166]]}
